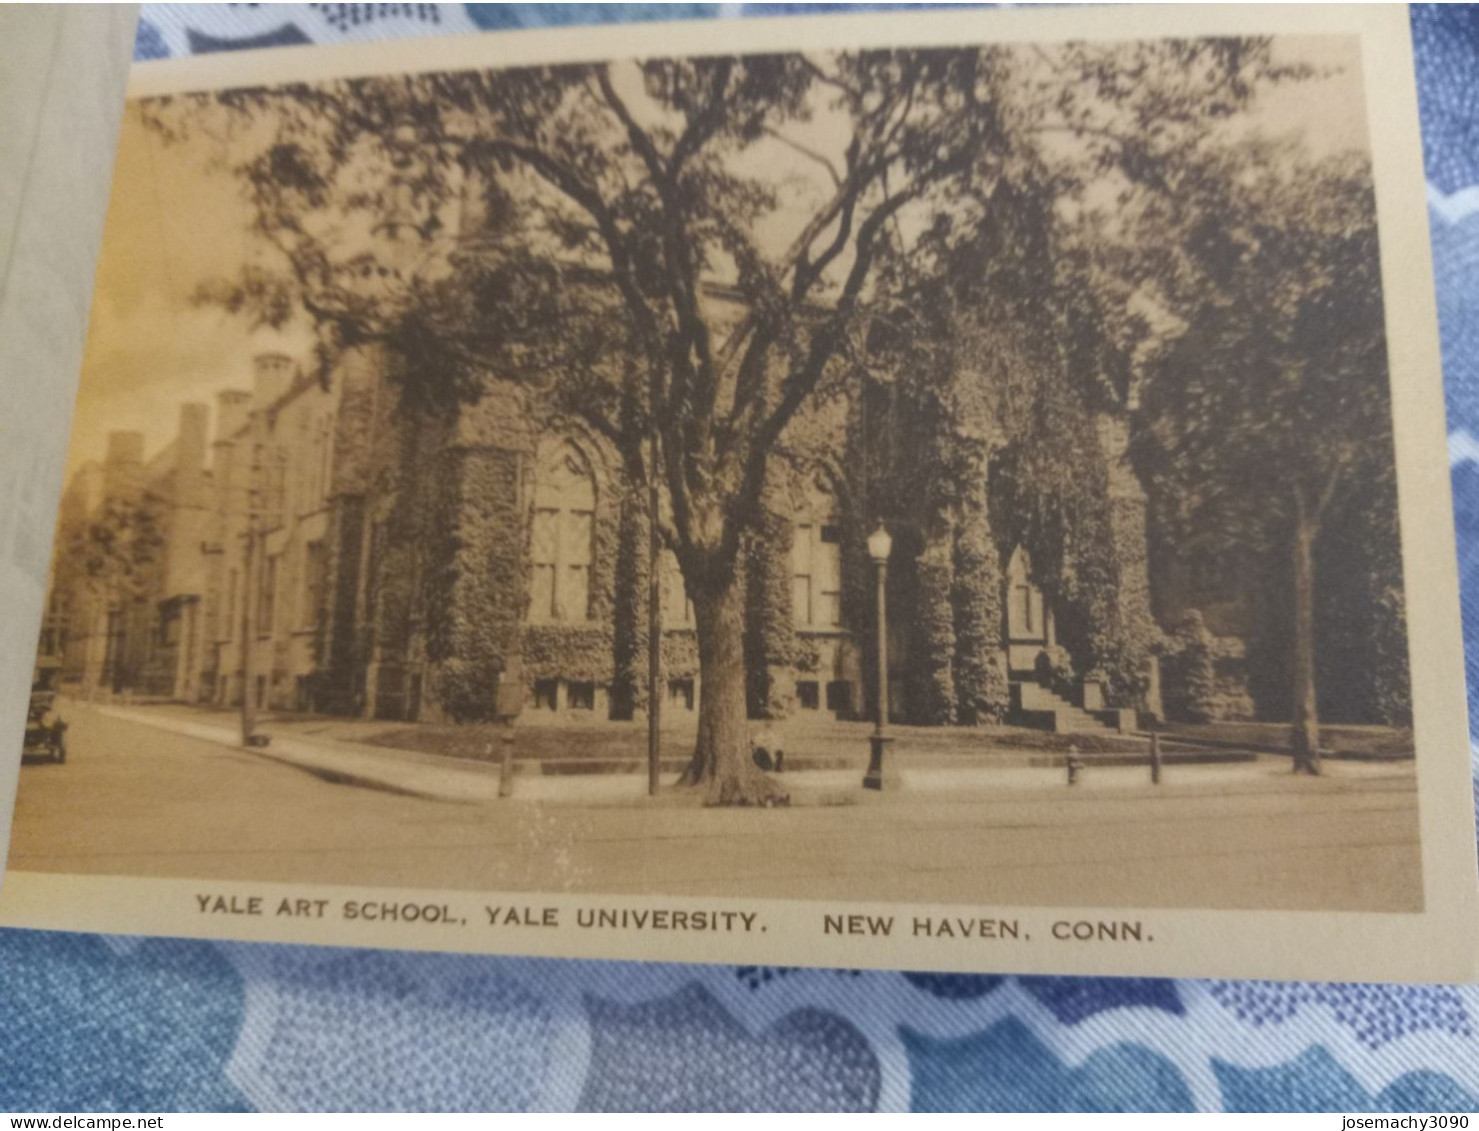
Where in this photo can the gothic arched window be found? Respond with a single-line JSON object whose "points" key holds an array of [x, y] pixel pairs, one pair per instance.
{"points": [[816, 556], [562, 539]]}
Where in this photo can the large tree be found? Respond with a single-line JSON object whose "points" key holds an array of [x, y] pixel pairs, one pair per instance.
{"points": [[566, 224], [1268, 407]]}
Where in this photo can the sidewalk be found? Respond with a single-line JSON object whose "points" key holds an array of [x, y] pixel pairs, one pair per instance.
{"points": [[371, 767], [464, 781]]}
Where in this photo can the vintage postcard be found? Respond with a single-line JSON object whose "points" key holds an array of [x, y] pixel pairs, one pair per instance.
{"points": [[955, 491]]}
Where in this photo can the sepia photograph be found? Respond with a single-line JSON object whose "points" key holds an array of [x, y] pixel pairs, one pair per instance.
{"points": [[959, 474]]}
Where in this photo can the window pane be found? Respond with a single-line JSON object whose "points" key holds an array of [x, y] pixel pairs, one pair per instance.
{"points": [[575, 598], [801, 599], [575, 538], [677, 609], [801, 549], [829, 608], [542, 593], [827, 566], [1026, 616], [543, 541]]}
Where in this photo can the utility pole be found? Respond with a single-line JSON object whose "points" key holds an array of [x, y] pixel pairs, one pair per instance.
{"points": [[654, 615], [249, 589]]}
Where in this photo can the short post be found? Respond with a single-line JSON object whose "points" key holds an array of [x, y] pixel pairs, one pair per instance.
{"points": [[1073, 765], [1155, 757], [508, 702], [506, 762]]}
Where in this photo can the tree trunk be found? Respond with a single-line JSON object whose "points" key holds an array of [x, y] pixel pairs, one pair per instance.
{"points": [[1306, 737], [722, 764]]}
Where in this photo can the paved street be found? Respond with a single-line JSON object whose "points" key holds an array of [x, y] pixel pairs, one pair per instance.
{"points": [[137, 800]]}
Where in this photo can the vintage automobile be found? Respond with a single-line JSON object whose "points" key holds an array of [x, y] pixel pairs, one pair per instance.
{"points": [[45, 731]]}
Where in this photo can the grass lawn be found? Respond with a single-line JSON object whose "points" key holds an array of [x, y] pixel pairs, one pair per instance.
{"points": [[807, 737], [484, 741]]}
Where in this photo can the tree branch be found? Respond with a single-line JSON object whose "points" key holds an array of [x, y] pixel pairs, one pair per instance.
{"points": [[807, 151], [804, 377], [690, 365], [589, 198]]}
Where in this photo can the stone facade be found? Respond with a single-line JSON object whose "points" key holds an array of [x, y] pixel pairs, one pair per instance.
{"points": [[273, 461]]}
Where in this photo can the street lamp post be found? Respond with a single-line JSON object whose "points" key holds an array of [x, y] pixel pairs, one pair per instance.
{"points": [[880, 545]]}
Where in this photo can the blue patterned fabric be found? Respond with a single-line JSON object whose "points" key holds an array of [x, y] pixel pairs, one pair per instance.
{"points": [[1006, 1067], [128, 1024]]}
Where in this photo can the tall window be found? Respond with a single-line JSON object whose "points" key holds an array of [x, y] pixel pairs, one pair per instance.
{"points": [[816, 587], [677, 609], [313, 584], [561, 542], [267, 604], [229, 632], [323, 454]]}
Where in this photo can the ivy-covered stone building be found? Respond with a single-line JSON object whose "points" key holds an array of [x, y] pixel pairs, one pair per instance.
{"points": [[500, 541]]}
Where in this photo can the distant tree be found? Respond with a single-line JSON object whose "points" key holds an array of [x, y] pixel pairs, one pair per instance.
{"points": [[1270, 403], [116, 550], [562, 224]]}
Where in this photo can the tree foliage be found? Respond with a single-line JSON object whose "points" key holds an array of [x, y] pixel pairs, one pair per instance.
{"points": [[1266, 415], [1274, 394]]}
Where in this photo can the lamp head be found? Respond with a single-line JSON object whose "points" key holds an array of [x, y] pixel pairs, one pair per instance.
{"points": [[880, 544]]}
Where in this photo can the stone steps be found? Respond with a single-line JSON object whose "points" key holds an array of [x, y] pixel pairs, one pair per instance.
{"points": [[1041, 706]]}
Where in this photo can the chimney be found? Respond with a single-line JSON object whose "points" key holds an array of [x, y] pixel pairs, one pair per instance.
{"points": [[194, 426], [272, 375], [232, 408], [125, 449], [123, 467]]}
